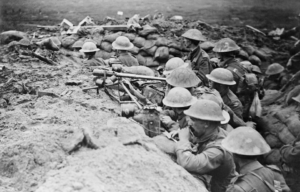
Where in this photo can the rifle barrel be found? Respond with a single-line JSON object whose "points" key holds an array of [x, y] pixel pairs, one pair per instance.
{"points": [[98, 72]]}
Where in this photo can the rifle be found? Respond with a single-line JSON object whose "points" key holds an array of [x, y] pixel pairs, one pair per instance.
{"points": [[103, 73]]}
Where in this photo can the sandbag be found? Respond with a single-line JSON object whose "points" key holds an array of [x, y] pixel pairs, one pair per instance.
{"points": [[68, 41], [261, 54], [162, 53], [175, 52], [207, 46], [106, 46], [112, 37], [273, 157], [285, 135], [151, 51], [9, 36], [175, 45], [249, 49], [104, 55], [147, 29], [255, 109], [243, 54], [293, 124], [153, 36], [130, 36], [162, 41], [273, 141], [143, 53], [134, 50], [98, 39], [139, 70], [141, 59], [255, 60], [149, 62], [97, 30], [139, 42], [149, 44]]}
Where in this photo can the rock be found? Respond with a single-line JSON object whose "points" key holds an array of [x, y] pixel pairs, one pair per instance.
{"points": [[72, 143]]}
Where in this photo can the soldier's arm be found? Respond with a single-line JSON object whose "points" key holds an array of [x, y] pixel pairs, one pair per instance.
{"points": [[201, 163], [235, 121], [235, 188], [290, 154]]}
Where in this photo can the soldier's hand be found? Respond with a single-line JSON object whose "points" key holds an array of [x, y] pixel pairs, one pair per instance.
{"points": [[184, 134], [166, 120], [173, 133]]}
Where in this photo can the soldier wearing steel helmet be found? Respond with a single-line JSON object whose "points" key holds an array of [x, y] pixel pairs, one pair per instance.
{"points": [[172, 64], [89, 49], [277, 77], [221, 80], [183, 77], [227, 50], [122, 45], [199, 149], [247, 144], [198, 58], [178, 99]]}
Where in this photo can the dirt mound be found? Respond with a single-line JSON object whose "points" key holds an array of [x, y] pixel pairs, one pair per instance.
{"points": [[134, 166]]}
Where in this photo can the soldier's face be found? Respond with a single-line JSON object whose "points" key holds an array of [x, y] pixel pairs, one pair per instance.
{"points": [[179, 110], [187, 42], [197, 128]]}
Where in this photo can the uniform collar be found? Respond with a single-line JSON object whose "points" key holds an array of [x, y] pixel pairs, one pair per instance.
{"points": [[253, 165]]}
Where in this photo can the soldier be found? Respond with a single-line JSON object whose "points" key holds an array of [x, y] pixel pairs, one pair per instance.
{"points": [[122, 45], [227, 49], [179, 99], [247, 144], [290, 156], [183, 77], [222, 79], [277, 77], [199, 149], [77, 45], [89, 49], [198, 58], [172, 64]]}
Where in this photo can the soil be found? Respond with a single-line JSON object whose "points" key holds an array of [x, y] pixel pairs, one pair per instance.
{"points": [[63, 139]]}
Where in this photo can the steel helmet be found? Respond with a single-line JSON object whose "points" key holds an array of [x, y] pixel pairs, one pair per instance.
{"points": [[205, 110], [194, 34], [56, 41], [256, 69], [274, 69], [24, 42], [179, 97], [226, 45], [78, 44], [245, 141], [172, 64], [89, 47], [183, 77], [218, 99], [221, 76], [122, 43]]}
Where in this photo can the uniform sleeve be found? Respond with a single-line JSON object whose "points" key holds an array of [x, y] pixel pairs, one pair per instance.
{"points": [[234, 188], [290, 154], [234, 121], [171, 114], [283, 185], [237, 108], [202, 163]]}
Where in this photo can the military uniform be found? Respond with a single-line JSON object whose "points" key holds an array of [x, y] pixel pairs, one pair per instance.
{"points": [[208, 158], [278, 82], [127, 59], [200, 63], [232, 101], [254, 177], [237, 71], [95, 62], [290, 155]]}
